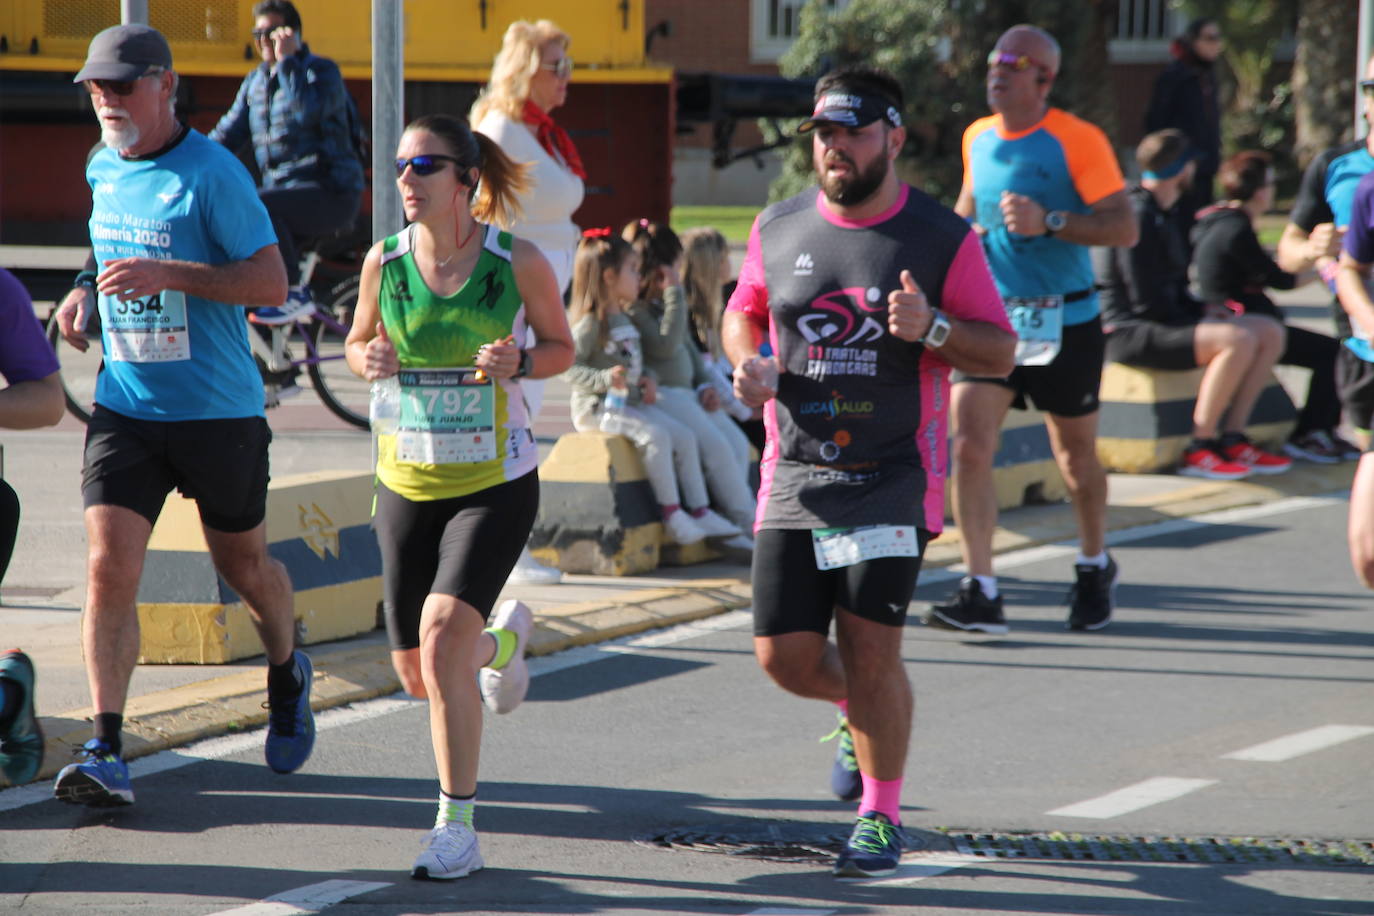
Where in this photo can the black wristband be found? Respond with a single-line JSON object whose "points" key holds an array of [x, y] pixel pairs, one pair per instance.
{"points": [[86, 278]]}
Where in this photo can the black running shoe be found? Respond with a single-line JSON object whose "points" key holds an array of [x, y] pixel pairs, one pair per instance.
{"points": [[1092, 596], [968, 610]]}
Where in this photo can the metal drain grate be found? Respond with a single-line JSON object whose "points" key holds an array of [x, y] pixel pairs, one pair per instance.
{"points": [[773, 841], [1097, 848]]}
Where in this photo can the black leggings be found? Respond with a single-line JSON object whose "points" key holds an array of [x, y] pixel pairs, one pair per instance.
{"points": [[9, 525], [1317, 352]]}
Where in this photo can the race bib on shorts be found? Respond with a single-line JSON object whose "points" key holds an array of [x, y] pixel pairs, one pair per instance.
{"points": [[448, 416], [1039, 325], [837, 547], [148, 330]]}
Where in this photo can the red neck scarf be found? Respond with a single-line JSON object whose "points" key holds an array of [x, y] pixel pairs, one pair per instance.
{"points": [[553, 138]]}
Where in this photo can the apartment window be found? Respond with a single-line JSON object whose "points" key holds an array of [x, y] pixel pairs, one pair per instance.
{"points": [[1143, 30], [775, 24]]}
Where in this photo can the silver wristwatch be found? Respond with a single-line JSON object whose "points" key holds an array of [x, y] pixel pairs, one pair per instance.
{"points": [[1055, 221], [938, 332]]}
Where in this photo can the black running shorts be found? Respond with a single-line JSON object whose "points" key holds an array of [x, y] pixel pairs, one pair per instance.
{"points": [[221, 464], [1355, 384], [791, 595], [1068, 386], [1152, 345], [464, 547]]}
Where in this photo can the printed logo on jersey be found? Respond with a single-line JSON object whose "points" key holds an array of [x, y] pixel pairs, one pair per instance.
{"points": [[841, 330], [837, 407], [805, 266]]}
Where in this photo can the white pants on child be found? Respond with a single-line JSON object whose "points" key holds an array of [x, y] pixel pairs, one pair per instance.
{"points": [[724, 453], [668, 449]]}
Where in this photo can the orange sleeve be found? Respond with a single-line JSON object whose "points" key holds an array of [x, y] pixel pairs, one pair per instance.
{"points": [[970, 133], [1092, 161]]}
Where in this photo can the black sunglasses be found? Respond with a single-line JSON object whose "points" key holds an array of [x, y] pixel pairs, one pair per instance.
{"points": [[118, 87], [1367, 87], [260, 34], [424, 165]]}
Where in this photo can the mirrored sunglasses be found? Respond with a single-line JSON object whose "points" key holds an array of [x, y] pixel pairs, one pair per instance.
{"points": [[423, 165], [561, 69], [118, 87], [1017, 62]]}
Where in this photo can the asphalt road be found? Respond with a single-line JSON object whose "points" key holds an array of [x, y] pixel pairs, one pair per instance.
{"points": [[633, 766]]}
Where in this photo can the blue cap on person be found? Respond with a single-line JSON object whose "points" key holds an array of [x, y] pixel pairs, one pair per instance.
{"points": [[125, 52]]}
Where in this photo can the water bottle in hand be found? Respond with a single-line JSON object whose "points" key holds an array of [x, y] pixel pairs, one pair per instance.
{"points": [[384, 409]]}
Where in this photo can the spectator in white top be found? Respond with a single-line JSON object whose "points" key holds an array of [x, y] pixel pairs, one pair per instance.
{"points": [[529, 79]]}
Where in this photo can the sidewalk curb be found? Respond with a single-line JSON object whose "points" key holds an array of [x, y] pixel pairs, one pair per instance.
{"points": [[172, 718]]}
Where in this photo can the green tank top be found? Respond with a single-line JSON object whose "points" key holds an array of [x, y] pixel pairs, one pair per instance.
{"points": [[458, 434]]}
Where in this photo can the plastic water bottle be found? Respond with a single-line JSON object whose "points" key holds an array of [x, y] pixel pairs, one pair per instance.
{"points": [[613, 411], [385, 407]]}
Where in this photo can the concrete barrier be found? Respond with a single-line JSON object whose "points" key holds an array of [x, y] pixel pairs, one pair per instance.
{"points": [[318, 526], [1147, 417]]}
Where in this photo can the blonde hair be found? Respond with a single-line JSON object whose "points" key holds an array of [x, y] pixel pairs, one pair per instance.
{"points": [[703, 247], [515, 65]]}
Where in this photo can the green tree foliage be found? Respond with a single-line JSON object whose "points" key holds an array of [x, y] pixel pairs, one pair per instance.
{"points": [[938, 50]]}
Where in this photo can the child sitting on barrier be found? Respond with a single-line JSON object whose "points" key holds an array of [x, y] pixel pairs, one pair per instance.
{"points": [[685, 392], [611, 391]]}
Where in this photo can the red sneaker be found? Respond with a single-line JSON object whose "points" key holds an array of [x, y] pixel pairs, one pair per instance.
{"points": [[1257, 460], [1211, 464]]}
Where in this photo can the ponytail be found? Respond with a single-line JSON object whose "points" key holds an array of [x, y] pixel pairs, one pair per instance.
{"points": [[502, 182]]}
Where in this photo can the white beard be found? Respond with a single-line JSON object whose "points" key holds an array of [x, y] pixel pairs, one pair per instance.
{"points": [[119, 138]]}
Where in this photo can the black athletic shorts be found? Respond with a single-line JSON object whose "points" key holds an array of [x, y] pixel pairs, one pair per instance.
{"points": [[221, 464], [464, 547], [1152, 345], [1068, 386], [791, 595], [1355, 385]]}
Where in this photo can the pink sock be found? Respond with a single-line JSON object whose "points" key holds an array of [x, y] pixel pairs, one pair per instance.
{"points": [[844, 707], [669, 510], [697, 513], [883, 796]]}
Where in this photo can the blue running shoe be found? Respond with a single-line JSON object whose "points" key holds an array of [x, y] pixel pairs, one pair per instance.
{"points": [[101, 780], [298, 306], [21, 742], [291, 724], [845, 780], [874, 848]]}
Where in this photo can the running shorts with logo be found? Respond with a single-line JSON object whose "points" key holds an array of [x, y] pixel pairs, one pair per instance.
{"points": [[1063, 163], [463, 443], [857, 434]]}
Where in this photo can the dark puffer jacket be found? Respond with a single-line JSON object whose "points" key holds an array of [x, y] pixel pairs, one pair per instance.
{"points": [[298, 122]]}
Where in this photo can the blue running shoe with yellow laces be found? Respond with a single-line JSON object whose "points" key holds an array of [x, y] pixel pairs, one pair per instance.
{"points": [[874, 848], [100, 781], [845, 780], [291, 723], [21, 738]]}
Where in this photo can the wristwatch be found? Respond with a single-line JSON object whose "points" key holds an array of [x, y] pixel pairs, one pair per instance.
{"points": [[526, 365], [938, 332], [86, 278], [1055, 221]]}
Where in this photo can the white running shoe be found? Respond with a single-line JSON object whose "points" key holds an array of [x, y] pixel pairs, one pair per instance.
{"points": [[716, 525], [739, 542], [450, 851], [529, 571], [683, 529], [503, 689]]}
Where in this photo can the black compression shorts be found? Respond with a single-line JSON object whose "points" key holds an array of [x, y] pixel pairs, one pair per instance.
{"points": [[792, 595], [464, 547]]}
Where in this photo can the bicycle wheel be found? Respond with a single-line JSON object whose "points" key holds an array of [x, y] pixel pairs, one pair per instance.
{"points": [[79, 370], [345, 394]]}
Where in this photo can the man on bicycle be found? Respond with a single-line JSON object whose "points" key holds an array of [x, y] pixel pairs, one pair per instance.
{"points": [[294, 110]]}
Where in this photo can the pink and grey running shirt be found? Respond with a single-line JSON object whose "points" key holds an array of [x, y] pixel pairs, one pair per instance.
{"points": [[858, 432]]}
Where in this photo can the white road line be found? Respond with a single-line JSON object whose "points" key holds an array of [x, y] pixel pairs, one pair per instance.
{"points": [[784, 911], [1295, 745], [302, 900], [1133, 798], [918, 867]]}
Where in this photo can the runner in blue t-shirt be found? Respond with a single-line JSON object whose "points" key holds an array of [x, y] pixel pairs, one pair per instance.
{"points": [[182, 245]]}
